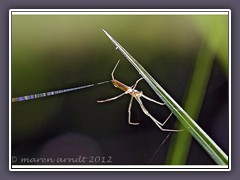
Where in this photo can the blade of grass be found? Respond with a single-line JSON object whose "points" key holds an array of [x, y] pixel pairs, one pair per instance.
{"points": [[215, 34], [215, 31], [180, 144], [189, 124]]}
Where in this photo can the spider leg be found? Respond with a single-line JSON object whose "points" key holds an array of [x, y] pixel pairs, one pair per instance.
{"points": [[129, 112], [152, 100], [154, 120], [135, 85], [111, 99], [130, 103]]}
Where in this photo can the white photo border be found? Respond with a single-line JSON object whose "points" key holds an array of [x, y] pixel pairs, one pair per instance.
{"points": [[120, 12]]}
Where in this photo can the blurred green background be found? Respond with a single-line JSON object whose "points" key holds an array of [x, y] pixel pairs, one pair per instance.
{"points": [[51, 52]]}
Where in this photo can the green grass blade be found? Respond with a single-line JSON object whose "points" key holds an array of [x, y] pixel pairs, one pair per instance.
{"points": [[189, 124], [214, 30], [180, 144]]}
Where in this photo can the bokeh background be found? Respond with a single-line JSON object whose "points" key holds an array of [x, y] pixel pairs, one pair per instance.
{"points": [[186, 54]]}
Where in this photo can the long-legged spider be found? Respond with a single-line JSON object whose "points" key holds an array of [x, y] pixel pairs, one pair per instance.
{"points": [[137, 95]]}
